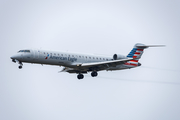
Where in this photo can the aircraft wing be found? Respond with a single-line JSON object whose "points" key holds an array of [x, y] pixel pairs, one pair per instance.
{"points": [[109, 63], [84, 67]]}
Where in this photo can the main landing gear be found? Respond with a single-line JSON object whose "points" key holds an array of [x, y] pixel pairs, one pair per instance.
{"points": [[81, 76], [94, 74]]}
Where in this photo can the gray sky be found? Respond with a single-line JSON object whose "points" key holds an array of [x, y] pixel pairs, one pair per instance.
{"points": [[36, 92]]}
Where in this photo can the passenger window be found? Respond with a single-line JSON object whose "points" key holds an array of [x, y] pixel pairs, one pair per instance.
{"points": [[61, 54]]}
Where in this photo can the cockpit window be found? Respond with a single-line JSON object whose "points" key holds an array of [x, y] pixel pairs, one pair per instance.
{"points": [[28, 51]]}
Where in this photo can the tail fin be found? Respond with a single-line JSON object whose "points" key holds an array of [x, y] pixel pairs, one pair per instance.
{"points": [[137, 52]]}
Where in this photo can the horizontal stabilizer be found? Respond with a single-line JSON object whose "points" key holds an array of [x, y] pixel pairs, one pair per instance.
{"points": [[146, 46], [138, 49]]}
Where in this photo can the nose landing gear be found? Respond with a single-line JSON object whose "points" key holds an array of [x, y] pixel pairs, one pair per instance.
{"points": [[19, 62], [20, 67], [13, 60]]}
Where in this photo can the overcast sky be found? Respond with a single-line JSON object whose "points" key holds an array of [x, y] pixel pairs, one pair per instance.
{"points": [[150, 92]]}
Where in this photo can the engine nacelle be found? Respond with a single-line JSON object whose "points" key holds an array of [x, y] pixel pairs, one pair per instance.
{"points": [[117, 57]]}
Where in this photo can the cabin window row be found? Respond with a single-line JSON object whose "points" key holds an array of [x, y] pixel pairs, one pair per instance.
{"points": [[78, 56]]}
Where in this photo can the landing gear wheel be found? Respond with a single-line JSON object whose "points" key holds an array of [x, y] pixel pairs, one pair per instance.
{"points": [[20, 67], [94, 74], [80, 76]]}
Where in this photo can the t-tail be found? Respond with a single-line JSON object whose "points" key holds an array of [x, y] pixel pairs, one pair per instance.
{"points": [[137, 52]]}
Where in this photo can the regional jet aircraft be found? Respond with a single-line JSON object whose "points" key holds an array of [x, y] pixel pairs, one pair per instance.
{"points": [[82, 63]]}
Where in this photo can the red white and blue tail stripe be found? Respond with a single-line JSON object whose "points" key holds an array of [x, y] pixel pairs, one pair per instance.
{"points": [[135, 53]]}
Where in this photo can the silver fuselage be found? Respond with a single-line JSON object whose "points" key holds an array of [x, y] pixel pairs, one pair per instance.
{"points": [[65, 59]]}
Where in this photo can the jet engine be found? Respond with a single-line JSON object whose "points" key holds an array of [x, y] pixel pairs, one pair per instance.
{"points": [[117, 57]]}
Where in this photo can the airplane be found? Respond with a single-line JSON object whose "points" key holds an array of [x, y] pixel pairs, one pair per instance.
{"points": [[82, 63]]}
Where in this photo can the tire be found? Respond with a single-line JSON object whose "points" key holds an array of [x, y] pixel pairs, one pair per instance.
{"points": [[94, 74], [20, 67], [80, 76]]}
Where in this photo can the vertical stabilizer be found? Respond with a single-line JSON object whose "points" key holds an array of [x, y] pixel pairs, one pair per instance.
{"points": [[137, 52]]}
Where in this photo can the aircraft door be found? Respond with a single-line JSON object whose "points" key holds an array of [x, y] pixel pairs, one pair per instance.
{"points": [[36, 54], [22, 55]]}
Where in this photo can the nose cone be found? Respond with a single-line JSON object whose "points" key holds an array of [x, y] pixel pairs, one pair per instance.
{"points": [[17, 57], [139, 64]]}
